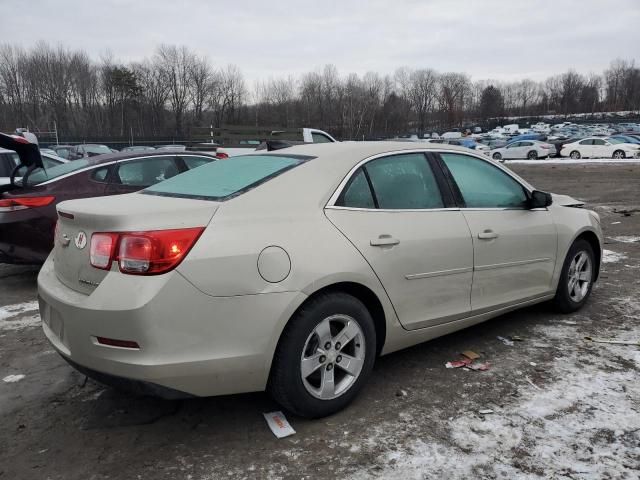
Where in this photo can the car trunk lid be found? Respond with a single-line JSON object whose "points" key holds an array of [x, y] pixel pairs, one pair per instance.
{"points": [[79, 219]]}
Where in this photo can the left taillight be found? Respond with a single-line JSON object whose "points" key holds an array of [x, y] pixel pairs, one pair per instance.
{"points": [[143, 253], [22, 203]]}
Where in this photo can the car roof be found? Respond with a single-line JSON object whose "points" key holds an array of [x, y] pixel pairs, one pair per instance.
{"points": [[113, 157]]}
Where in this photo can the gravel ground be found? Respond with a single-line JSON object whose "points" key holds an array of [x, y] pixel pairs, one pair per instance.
{"points": [[560, 406]]}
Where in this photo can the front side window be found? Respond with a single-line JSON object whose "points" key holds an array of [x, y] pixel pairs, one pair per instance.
{"points": [[483, 185], [147, 171], [598, 141]]}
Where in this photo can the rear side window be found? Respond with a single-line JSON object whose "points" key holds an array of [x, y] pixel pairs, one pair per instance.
{"points": [[399, 182], [100, 174], [357, 194], [483, 185], [224, 179], [586, 142], [147, 171], [40, 175], [598, 141], [194, 162], [320, 138]]}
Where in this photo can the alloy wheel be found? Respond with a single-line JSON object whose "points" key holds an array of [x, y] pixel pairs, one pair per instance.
{"points": [[579, 276], [332, 357], [575, 155]]}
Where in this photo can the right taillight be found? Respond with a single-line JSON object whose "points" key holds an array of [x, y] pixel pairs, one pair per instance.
{"points": [[143, 253]]}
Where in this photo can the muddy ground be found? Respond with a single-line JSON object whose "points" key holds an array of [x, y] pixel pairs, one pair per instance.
{"points": [[561, 407]]}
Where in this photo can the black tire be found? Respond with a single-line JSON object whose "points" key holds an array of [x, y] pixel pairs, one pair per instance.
{"points": [[532, 155], [563, 301], [285, 381], [618, 154], [575, 155], [497, 156]]}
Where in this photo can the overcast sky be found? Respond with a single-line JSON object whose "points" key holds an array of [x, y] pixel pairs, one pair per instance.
{"points": [[503, 40]]}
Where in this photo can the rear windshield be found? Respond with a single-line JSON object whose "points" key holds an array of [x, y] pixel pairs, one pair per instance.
{"points": [[223, 179], [42, 175]]}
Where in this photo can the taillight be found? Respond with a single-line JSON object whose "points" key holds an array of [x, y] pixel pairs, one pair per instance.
{"points": [[102, 249], [143, 253], [22, 203], [222, 155]]}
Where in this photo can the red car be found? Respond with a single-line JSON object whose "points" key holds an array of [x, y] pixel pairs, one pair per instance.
{"points": [[28, 211]]}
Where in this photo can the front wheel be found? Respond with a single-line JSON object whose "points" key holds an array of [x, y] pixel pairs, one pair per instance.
{"points": [[576, 279], [497, 156], [324, 356], [619, 154]]}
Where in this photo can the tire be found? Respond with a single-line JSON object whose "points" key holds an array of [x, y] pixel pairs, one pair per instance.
{"points": [[575, 155], [300, 344], [567, 299], [532, 155], [618, 154], [496, 156]]}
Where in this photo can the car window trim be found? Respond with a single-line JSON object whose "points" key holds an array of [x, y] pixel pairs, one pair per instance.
{"points": [[462, 203]]}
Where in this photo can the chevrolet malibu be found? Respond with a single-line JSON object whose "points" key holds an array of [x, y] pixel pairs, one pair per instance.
{"points": [[292, 271]]}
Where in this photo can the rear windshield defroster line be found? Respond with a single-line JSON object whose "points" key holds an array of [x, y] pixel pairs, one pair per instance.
{"points": [[224, 179]]}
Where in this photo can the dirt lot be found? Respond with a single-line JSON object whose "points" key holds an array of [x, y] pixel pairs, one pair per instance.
{"points": [[562, 407]]}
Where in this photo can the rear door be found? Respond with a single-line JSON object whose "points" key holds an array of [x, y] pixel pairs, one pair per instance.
{"points": [[394, 212], [130, 176], [514, 247], [600, 148]]}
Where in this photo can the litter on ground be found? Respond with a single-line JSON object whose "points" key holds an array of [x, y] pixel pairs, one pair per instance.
{"points": [[506, 341], [13, 378], [613, 341], [470, 354], [278, 424]]}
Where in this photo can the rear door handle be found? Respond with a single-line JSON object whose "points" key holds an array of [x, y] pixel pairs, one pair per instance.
{"points": [[487, 235], [384, 241]]}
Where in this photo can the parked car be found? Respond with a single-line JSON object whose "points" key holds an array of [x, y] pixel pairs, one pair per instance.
{"points": [[9, 161], [530, 149], [173, 148], [88, 150], [28, 212], [558, 144], [595, 147], [137, 148], [282, 271], [625, 139], [48, 151], [62, 150], [471, 144], [252, 140]]}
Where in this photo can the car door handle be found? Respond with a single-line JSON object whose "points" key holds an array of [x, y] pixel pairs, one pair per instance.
{"points": [[487, 235], [384, 241]]}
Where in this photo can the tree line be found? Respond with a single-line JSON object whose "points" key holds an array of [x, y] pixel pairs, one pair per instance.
{"points": [[175, 92]]}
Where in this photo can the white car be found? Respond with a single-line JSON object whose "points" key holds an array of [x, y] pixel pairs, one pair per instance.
{"points": [[530, 149], [291, 271], [598, 147], [9, 161]]}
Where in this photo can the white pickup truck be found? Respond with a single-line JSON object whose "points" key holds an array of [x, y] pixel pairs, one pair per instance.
{"points": [[306, 135]]}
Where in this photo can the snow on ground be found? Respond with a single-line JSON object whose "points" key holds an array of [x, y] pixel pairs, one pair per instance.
{"points": [[566, 161], [12, 317], [609, 256], [585, 424], [626, 238], [13, 378]]}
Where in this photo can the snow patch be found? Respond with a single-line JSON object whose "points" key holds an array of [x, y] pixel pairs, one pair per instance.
{"points": [[609, 256], [12, 317], [626, 238], [560, 161], [13, 378]]}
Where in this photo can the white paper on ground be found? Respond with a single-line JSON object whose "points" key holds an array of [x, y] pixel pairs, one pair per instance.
{"points": [[278, 424]]}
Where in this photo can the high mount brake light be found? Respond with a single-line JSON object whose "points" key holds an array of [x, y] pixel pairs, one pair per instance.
{"points": [[143, 253], [22, 203]]}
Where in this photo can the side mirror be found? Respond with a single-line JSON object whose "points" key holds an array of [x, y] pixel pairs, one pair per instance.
{"points": [[540, 199]]}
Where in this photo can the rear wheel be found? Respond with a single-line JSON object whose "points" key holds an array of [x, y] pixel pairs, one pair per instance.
{"points": [[324, 356], [532, 155], [575, 154], [576, 279], [497, 156], [618, 154]]}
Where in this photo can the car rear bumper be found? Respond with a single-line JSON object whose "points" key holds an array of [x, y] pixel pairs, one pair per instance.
{"points": [[189, 342]]}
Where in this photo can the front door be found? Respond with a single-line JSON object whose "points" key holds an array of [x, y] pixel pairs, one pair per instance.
{"points": [[393, 212], [514, 246]]}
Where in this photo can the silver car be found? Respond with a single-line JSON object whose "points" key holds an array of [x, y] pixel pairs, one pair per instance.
{"points": [[529, 149], [291, 271]]}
